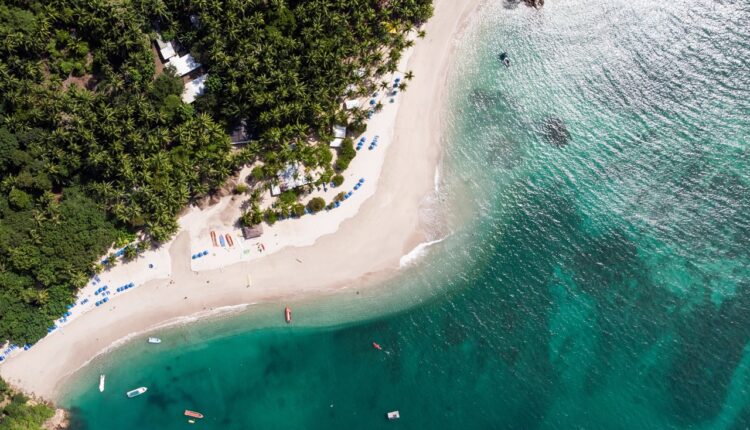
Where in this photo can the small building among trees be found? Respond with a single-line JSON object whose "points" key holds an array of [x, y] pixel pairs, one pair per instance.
{"points": [[252, 232]]}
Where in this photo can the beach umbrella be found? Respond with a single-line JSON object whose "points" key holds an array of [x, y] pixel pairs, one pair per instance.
{"points": [[205, 252]]}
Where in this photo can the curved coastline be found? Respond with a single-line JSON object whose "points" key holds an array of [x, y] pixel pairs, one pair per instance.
{"points": [[366, 248]]}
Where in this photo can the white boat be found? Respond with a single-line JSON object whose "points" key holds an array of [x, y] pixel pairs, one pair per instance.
{"points": [[136, 392], [154, 340], [393, 415], [101, 383]]}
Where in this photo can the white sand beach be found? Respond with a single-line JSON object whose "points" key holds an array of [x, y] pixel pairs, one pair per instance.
{"points": [[361, 241]]}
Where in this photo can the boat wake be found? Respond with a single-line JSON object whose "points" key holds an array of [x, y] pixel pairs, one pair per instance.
{"points": [[416, 253]]}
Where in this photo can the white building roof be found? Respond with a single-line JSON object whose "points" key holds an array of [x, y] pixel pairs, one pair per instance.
{"points": [[292, 176], [183, 65], [194, 88], [339, 133], [166, 49]]}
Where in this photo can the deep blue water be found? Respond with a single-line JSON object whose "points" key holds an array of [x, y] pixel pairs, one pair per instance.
{"points": [[600, 281]]}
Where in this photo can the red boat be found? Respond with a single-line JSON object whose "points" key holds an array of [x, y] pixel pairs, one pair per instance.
{"points": [[288, 315], [213, 239], [376, 346], [193, 414]]}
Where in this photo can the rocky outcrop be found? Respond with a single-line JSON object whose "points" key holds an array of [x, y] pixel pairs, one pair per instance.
{"points": [[59, 421], [534, 3], [556, 132]]}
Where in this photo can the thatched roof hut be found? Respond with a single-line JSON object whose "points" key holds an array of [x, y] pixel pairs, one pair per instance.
{"points": [[252, 232]]}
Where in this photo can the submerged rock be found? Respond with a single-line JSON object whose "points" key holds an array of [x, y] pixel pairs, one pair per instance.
{"points": [[556, 132], [512, 4]]}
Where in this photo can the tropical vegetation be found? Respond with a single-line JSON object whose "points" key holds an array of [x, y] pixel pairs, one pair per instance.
{"points": [[95, 145], [17, 412]]}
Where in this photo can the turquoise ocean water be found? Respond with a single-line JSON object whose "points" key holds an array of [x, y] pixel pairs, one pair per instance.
{"points": [[601, 281]]}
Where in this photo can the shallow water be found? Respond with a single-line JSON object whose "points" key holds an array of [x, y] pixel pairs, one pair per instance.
{"points": [[601, 282]]}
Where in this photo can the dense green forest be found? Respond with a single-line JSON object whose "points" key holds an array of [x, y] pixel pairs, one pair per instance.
{"points": [[17, 413], [94, 147]]}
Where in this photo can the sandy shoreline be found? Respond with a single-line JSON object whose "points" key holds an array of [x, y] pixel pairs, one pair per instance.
{"points": [[365, 247]]}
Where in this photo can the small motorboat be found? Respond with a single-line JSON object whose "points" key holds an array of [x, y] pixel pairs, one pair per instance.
{"points": [[230, 241], [136, 392], [101, 383], [213, 239], [189, 413], [154, 340], [393, 415], [377, 346], [222, 241], [191, 421], [505, 59], [288, 315]]}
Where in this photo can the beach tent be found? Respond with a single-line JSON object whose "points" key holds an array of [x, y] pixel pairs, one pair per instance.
{"points": [[275, 190], [352, 104]]}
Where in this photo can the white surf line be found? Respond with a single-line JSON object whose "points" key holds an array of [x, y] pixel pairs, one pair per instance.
{"points": [[417, 252]]}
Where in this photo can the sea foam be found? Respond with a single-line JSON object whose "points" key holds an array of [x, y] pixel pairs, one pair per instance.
{"points": [[418, 251]]}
